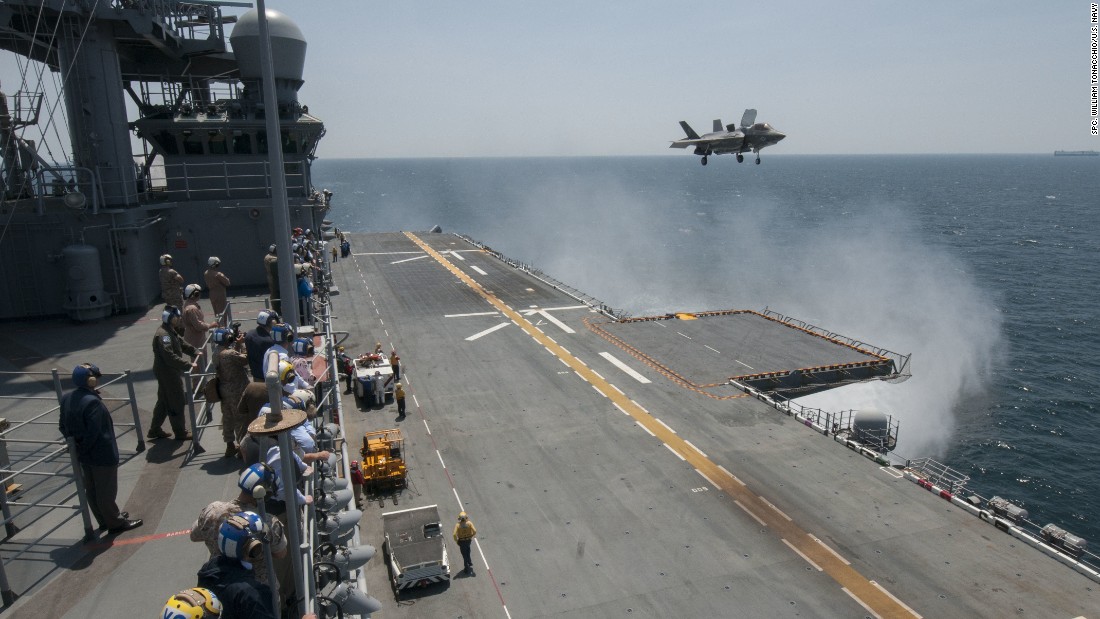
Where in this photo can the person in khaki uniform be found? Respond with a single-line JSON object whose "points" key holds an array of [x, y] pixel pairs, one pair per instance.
{"points": [[194, 320], [231, 367], [464, 534], [218, 284], [171, 282], [169, 364]]}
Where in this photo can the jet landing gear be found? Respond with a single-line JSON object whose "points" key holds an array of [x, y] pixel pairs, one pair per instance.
{"points": [[740, 158], [758, 159], [703, 160]]}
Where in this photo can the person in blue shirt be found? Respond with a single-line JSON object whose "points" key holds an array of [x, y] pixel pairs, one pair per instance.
{"points": [[86, 420]]}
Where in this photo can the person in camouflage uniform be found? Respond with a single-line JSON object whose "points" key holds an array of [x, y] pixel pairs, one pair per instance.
{"points": [[231, 366], [169, 364], [171, 282]]}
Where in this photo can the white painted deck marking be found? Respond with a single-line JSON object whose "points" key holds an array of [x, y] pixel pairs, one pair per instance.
{"points": [[456, 255], [826, 547], [749, 512], [647, 430], [734, 477], [621, 409], [426, 426], [626, 368], [664, 424], [561, 325], [598, 391], [682, 335], [409, 259], [745, 364], [472, 314], [777, 510], [444, 466], [860, 602], [478, 269], [804, 557], [689, 444], [668, 447], [709, 480], [715, 350], [487, 331], [906, 606]]}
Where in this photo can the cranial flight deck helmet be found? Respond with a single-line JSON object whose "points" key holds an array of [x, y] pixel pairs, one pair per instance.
{"points": [[282, 333], [191, 289], [258, 474], [223, 337], [86, 375], [168, 313], [266, 317], [213, 261], [302, 346], [195, 603], [240, 536], [166, 259]]}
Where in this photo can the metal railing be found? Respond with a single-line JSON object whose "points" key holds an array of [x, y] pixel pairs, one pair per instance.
{"points": [[32, 448]]}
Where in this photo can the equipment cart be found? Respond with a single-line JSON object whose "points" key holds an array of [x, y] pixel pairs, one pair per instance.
{"points": [[365, 379], [414, 548], [383, 465]]}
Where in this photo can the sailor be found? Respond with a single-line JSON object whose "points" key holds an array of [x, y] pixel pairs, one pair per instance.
{"points": [[395, 364], [171, 282], [334, 254], [231, 368], [399, 397], [305, 294], [194, 320], [271, 267], [378, 388], [217, 283], [464, 534], [86, 419], [347, 365], [282, 335], [345, 248], [194, 603], [206, 526], [169, 363], [229, 575], [302, 354], [258, 340]]}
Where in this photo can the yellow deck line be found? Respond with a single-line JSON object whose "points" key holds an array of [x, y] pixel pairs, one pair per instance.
{"points": [[854, 583]]}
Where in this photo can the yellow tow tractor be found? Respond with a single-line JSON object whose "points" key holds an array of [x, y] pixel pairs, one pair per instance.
{"points": [[383, 465]]}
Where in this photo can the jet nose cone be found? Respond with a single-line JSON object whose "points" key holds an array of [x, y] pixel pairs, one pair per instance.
{"points": [[777, 136]]}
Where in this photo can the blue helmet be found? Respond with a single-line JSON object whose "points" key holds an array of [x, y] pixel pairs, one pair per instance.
{"points": [[302, 346], [281, 333], [240, 536], [86, 375], [256, 475], [223, 337]]}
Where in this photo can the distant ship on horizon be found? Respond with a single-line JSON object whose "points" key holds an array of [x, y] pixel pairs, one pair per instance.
{"points": [[1076, 153]]}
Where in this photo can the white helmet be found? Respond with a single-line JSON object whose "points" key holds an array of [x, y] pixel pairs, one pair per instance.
{"points": [[213, 261], [166, 259], [191, 290]]}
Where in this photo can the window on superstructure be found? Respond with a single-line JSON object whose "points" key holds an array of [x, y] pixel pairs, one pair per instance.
{"points": [[192, 144], [218, 145], [242, 144]]}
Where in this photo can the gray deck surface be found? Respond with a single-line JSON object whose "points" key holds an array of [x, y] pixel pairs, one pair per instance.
{"points": [[711, 349], [580, 511]]}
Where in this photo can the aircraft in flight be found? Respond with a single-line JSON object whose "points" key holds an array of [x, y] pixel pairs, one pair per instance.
{"points": [[751, 136]]}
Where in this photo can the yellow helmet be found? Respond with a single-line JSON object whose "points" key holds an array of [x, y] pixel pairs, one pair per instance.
{"points": [[286, 371], [462, 516], [196, 603]]}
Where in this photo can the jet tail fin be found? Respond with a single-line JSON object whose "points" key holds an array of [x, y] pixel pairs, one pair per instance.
{"points": [[749, 118], [717, 125], [689, 131]]}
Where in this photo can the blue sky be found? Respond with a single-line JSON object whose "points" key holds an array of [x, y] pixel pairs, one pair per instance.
{"points": [[500, 78], [508, 78]]}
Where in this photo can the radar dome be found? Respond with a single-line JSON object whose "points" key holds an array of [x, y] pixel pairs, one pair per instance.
{"points": [[288, 46]]}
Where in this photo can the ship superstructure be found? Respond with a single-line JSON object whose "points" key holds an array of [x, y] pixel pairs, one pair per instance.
{"points": [[166, 120]]}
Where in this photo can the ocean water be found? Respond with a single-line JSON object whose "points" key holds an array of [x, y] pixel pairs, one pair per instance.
{"points": [[985, 268]]}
